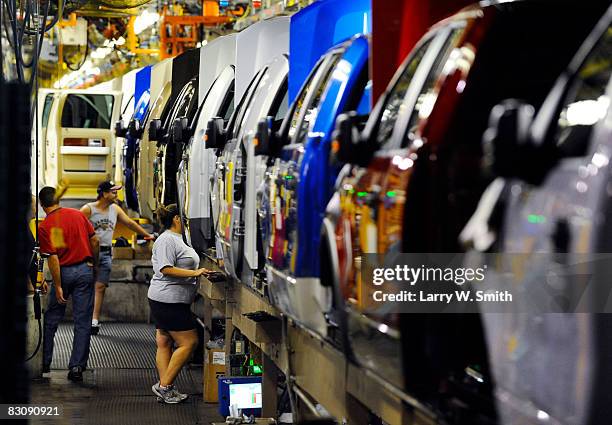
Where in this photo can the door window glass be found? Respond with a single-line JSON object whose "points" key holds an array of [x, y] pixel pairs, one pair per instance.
{"points": [[429, 92], [88, 111], [245, 102], [228, 104], [281, 110], [47, 109], [587, 102], [299, 102], [183, 103], [395, 99], [312, 109]]}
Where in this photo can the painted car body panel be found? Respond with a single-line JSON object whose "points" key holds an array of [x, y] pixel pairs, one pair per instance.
{"points": [[256, 46], [237, 223], [169, 151], [197, 167], [316, 28], [301, 181], [440, 137], [574, 194], [215, 57], [146, 151], [142, 98], [127, 85]]}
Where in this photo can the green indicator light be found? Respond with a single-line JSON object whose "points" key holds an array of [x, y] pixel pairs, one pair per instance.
{"points": [[288, 177], [391, 194], [362, 194], [536, 218], [251, 362], [257, 369], [351, 191]]}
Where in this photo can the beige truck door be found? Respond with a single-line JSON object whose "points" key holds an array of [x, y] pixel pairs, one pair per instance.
{"points": [[85, 139]]}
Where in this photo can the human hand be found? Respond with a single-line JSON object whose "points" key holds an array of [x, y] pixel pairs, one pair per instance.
{"points": [[200, 272], [44, 288], [151, 236], [59, 295]]}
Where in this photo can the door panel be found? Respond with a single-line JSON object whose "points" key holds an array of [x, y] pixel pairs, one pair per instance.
{"points": [[147, 159], [198, 162]]}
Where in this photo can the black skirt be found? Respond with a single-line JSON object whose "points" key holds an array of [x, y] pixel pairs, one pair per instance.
{"points": [[172, 316]]}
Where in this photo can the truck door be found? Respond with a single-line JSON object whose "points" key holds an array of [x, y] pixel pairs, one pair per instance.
{"points": [[86, 140]]}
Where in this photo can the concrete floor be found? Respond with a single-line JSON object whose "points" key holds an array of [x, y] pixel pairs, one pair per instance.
{"points": [[117, 387]]}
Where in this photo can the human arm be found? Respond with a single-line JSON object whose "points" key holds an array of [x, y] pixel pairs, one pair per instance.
{"points": [[47, 247], [94, 243], [54, 267], [123, 218], [86, 210], [165, 259], [178, 272], [44, 287]]}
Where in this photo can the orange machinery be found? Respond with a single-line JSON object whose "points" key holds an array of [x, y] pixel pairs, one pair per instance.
{"points": [[179, 32]]}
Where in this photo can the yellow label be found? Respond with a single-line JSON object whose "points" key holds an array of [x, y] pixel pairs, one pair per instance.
{"points": [[57, 237]]}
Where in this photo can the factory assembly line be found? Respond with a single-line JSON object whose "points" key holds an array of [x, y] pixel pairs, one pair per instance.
{"points": [[306, 211]]}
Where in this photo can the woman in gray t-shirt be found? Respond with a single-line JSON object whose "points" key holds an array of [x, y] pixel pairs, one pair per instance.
{"points": [[172, 290]]}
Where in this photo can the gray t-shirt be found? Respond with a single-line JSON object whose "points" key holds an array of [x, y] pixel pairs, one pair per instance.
{"points": [[170, 250]]}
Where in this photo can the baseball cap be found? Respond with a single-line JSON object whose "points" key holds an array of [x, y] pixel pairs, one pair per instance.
{"points": [[107, 186]]}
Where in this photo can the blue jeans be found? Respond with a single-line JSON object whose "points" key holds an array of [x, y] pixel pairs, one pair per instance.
{"points": [[78, 283]]}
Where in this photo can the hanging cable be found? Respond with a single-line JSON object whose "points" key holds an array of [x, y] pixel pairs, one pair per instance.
{"points": [[39, 258], [28, 27], [77, 67]]}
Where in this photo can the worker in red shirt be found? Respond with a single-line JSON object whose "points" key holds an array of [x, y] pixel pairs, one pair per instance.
{"points": [[70, 240]]}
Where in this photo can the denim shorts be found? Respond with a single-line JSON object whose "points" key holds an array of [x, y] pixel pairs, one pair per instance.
{"points": [[104, 268]]}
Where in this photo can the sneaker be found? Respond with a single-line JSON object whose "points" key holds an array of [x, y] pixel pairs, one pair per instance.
{"points": [[182, 396], [167, 395], [76, 374], [173, 388], [95, 329], [46, 369], [178, 393]]}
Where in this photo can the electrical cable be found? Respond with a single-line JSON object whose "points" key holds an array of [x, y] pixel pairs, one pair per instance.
{"points": [[60, 6], [39, 342], [19, 31], [16, 45], [70, 66], [34, 116]]}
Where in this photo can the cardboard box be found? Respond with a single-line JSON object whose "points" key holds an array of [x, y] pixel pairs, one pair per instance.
{"points": [[214, 367], [123, 253], [143, 251]]}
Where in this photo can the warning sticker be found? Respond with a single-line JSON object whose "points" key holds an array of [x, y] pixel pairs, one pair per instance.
{"points": [[218, 357]]}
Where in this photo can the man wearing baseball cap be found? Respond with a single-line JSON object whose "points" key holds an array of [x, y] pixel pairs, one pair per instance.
{"points": [[104, 214]]}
